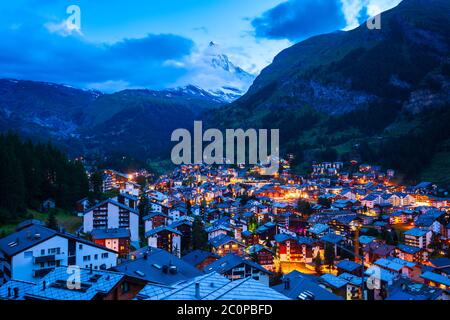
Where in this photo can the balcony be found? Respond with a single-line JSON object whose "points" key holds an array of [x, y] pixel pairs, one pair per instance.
{"points": [[38, 273], [48, 258]]}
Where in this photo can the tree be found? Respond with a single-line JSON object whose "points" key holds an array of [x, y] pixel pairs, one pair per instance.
{"points": [[304, 207], [52, 223], [188, 208], [199, 235], [329, 255], [318, 264], [142, 181], [324, 202], [96, 181]]}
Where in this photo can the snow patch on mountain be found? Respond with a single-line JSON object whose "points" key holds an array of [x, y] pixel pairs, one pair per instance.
{"points": [[214, 72]]}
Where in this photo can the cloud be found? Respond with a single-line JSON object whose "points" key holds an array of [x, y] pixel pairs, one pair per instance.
{"points": [[44, 51], [299, 19]]}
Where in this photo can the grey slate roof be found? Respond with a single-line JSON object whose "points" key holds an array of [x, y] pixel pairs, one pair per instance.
{"points": [[212, 286], [301, 283], [114, 202], [197, 256], [7, 289], [111, 233], [32, 235], [151, 268], [231, 261], [57, 284]]}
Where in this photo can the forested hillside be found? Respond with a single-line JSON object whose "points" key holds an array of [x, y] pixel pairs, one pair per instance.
{"points": [[32, 173]]}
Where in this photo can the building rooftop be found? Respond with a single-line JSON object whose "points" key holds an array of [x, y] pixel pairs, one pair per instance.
{"points": [[304, 287], [435, 277], [416, 232], [111, 233], [212, 286], [15, 289], [231, 261], [333, 281], [197, 256], [59, 284], [153, 265], [348, 265]]}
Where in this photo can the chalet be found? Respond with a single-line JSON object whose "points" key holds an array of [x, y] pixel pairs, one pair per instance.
{"points": [[235, 267], [405, 289], [353, 286], [299, 286], [158, 266], [154, 220], [217, 230], [110, 214], [348, 266], [34, 251], [128, 200], [441, 266], [166, 238], [131, 188], [267, 231], [249, 238], [48, 204], [82, 205], [365, 240], [318, 230], [436, 280], [411, 254], [371, 200], [376, 250], [200, 258], [296, 249], [184, 226], [117, 240], [336, 285], [262, 255], [223, 245]]}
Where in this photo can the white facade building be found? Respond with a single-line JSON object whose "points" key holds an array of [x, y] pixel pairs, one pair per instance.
{"points": [[35, 250], [111, 214]]}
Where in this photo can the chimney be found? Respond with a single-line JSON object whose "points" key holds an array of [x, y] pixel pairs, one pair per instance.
{"points": [[44, 285], [287, 284], [16, 293], [9, 292], [197, 290], [145, 255]]}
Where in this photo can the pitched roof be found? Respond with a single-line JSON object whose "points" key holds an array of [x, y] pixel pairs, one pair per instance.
{"points": [[112, 233], [149, 266], [212, 286], [159, 229], [113, 202], [59, 287], [198, 256], [21, 287], [333, 281], [348, 265], [302, 285], [34, 234], [416, 232], [221, 240], [435, 277], [231, 261]]}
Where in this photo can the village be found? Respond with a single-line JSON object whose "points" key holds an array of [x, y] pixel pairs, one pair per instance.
{"points": [[347, 231]]}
